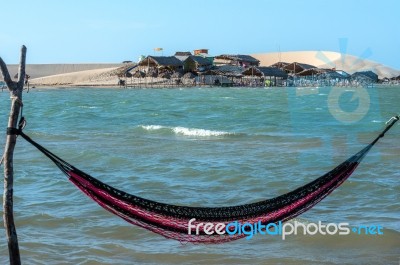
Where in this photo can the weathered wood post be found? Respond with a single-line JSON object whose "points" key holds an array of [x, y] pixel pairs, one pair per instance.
{"points": [[15, 89]]}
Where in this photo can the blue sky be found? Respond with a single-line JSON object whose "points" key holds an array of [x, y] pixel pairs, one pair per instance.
{"points": [[76, 31]]}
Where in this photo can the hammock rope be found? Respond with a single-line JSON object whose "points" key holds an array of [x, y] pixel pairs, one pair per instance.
{"points": [[171, 221]]}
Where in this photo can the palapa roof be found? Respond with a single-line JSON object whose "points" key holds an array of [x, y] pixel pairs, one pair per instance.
{"points": [[312, 71], [238, 57], [252, 71], [279, 64], [273, 71], [233, 71], [162, 61], [296, 67], [199, 60], [328, 73], [369, 74]]}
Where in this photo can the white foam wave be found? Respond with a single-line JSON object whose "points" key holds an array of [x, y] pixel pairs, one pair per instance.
{"points": [[198, 132], [151, 127], [186, 131]]}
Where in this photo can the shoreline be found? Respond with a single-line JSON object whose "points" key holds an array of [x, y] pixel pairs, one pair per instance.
{"points": [[117, 87]]}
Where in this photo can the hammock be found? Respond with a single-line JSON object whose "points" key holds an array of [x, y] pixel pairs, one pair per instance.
{"points": [[171, 221]]}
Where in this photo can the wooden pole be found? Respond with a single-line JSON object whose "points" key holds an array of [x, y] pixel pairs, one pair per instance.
{"points": [[15, 89]]}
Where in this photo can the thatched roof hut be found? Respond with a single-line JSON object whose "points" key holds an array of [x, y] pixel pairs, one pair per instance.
{"points": [[239, 60], [196, 63], [311, 72], [295, 68], [252, 71], [170, 62], [279, 65], [365, 75], [273, 72]]}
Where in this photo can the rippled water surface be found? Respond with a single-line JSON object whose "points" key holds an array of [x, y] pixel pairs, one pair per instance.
{"points": [[204, 147]]}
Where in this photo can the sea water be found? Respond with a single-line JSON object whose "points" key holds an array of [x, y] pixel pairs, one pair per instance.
{"points": [[204, 147]]}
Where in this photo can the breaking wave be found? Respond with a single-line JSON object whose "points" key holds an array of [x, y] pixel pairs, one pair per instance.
{"points": [[185, 131]]}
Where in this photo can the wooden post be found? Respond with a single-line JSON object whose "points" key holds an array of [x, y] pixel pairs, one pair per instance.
{"points": [[15, 89]]}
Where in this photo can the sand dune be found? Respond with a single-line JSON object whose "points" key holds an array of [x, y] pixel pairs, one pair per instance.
{"points": [[95, 77], [41, 70], [326, 59]]}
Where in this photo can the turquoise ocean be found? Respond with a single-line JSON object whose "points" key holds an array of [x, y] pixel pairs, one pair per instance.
{"points": [[204, 147]]}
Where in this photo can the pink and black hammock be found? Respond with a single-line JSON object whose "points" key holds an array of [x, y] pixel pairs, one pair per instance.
{"points": [[171, 221]]}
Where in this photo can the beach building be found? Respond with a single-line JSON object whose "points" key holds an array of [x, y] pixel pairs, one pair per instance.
{"points": [[196, 64], [364, 78], [280, 65], [273, 76], [161, 62], [295, 67], [238, 60], [252, 71], [365, 74], [320, 77], [231, 75], [225, 70], [312, 72]]}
